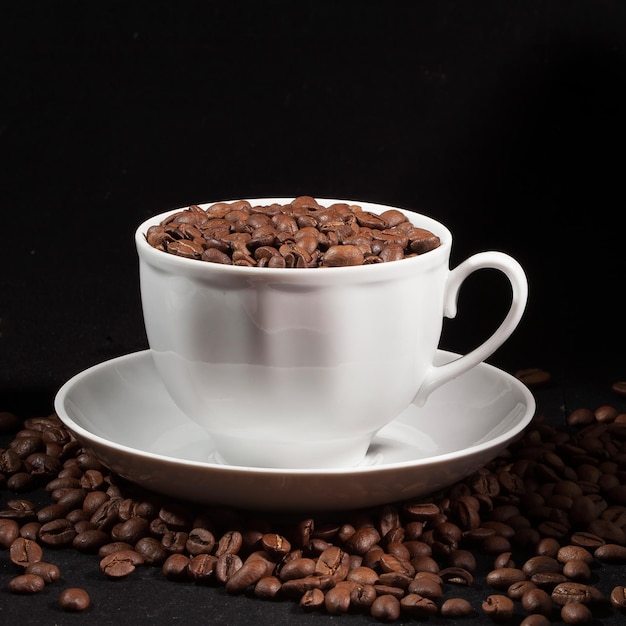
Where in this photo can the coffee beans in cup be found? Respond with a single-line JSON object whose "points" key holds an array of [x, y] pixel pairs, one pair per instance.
{"points": [[299, 234]]}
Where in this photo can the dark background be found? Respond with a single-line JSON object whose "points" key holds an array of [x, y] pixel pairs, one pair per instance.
{"points": [[505, 120]]}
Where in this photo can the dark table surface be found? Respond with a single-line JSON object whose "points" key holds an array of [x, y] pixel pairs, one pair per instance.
{"points": [[503, 120]]}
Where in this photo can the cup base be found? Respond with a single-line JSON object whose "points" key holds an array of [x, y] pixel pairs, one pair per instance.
{"points": [[336, 453]]}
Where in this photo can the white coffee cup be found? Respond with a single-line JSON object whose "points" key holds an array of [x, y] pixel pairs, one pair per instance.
{"points": [[299, 368]]}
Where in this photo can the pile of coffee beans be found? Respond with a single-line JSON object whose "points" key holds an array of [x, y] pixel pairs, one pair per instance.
{"points": [[299, 234], [527, 534]]}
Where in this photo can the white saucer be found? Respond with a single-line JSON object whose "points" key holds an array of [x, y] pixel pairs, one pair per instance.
{"points": [[121, 411]]}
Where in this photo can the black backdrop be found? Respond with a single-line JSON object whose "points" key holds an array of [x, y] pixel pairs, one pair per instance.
{"points": [[505, 120]]}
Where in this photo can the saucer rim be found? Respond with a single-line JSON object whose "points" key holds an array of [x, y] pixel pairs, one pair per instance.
{"points": [[498, 442]]}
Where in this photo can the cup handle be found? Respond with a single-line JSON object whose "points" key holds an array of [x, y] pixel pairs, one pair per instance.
{"points": [[438, 375]]}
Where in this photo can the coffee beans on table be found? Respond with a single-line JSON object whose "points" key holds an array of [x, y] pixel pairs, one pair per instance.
{"points": [[74, 599], [529, 534], [301, 234]]}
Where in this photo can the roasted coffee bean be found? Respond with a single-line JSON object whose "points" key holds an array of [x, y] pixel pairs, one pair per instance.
{"points": [[577, 570], [504, 577], [200, 541], [456, 607], [21, 482], [571, 553], [120, 563], [567, 592], [456, 576], [43, 466], [381, 590], [390, 563], [201, 567], [608, 531], [503, 560], [611, 553], [227, 565], [362, 540], [90, 540], [74, 599], [10, 462], [91, 480], [304, 566], [619, 387], [426, 587], [425, 564], [418, 606], [66, 482], [467, 513], [362, 596], [23, 552], [342, 256], [548, 580], [107, 514], [93, 501], [495, 544], [394, 579], [533, 377], [537, 601], [337, 600], [151, 550], [580, 417], [51, 512], [268, 588], [540, 564], [417, 548], [576, 613], [386, 608], [26, 444], [175, 567], [605, 414], [114, 546], [175, 541], [397, 548], [26, 584], [58, 532], [275, 545], [132, 530], [334, 563], [464, 559], [361, 575], [517, 590], [9, 532], [49, 572], [70, 498], [229, 543], [175, 516], [312, 599], [498, 607], [586, 540], [299, 586], [618, 597]]}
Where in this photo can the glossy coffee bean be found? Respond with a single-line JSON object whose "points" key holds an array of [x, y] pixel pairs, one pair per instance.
{"points": [[499, 608], [26, 584], [74, 599]]}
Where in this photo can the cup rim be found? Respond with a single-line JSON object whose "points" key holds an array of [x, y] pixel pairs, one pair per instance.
{"points": [[165, 259]]}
